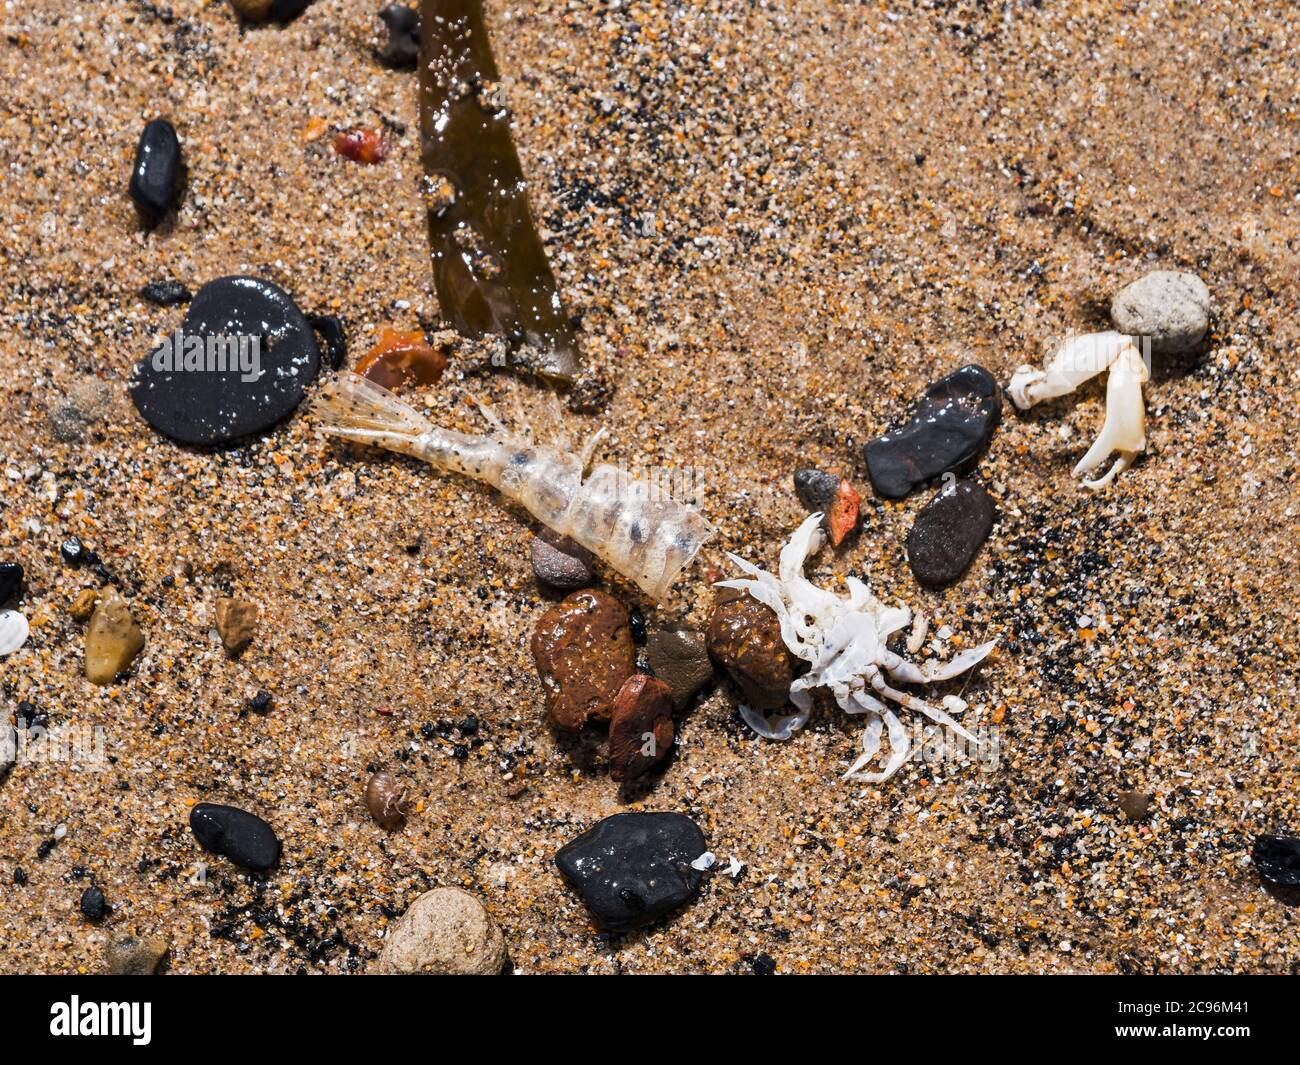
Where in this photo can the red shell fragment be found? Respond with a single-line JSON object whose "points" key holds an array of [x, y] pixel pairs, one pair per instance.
{"points": [[843, 516], [402, 358], [361, 146]]}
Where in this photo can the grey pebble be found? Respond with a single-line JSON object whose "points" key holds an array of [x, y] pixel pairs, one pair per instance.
{"points": [[1172, 307], [561, 563]]}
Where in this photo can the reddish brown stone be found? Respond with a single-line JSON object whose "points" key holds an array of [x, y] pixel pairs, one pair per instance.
{"points": [[745, 639], [641, 726], [583, 650], [843, 516]]}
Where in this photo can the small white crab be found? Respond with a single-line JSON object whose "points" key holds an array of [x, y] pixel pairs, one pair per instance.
{"points": [[843, 638]]}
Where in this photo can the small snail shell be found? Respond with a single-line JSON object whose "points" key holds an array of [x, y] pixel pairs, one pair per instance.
{"points": [[386, 799]]}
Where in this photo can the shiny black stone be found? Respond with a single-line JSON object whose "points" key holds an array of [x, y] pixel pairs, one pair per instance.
{"points": [[633, 867], [948, 533], [156, 171], [948, 429], [73, 551], [213, 406], [244, 838], [11, 581], [1277, 859]]}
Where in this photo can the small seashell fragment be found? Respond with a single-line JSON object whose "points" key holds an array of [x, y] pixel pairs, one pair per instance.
{"points": [[402, 358], [386, 800], [14, 631]]}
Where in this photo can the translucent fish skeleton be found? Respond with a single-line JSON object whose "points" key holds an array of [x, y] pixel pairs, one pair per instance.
{"points": [[843, 638]]}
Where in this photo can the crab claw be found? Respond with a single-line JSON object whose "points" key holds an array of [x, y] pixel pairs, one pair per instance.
{"points": [[1124, 430], [1077, 360]]}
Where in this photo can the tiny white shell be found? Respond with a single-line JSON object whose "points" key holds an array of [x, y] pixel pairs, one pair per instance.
{"points": [[13, 631]]}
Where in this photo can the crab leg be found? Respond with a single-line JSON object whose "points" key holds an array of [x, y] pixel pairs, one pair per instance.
{"points": [[913, 703], [899, 748], [870, 747]]}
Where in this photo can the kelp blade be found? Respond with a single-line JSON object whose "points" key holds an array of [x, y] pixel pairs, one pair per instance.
{"points": [[489, 267]]}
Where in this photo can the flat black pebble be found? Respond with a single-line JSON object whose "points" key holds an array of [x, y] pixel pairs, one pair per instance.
{"points": [[948, 533], [93, 904], [244, 838], [1277, 859], [403, 46], [213, 406], [11, 581], [631, 868], [816, 490], [157, 169], [336, 342], [165, 293], [948, 429]]}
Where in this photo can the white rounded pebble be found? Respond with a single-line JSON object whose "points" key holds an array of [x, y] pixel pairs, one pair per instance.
{"points": [[1171, 307]]}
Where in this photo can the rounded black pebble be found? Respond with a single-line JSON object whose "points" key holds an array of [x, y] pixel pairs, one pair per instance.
{"points": [[260, 703], [11, 581], [93, 904], [948, 430], [244, 838], [636, 625], [73, 551], [193, 404], [948, 533], [1277, 859], [330, 329], [156, 171], [631, 868], [764, 965], [165, 293], [402, 49]]}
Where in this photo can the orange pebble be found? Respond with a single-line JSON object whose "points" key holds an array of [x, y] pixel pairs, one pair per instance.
{"points": [[361, 146], [844, 512]]}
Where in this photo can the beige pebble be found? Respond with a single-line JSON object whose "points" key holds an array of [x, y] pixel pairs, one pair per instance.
{"points": [[445, 932], [113, 639], [236, 623]]}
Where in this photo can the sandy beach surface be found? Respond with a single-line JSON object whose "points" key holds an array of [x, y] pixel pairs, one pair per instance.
{"points": [[778, 222]]}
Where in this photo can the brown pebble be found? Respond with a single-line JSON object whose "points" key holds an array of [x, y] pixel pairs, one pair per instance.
{"points": [[744, 637], [680, 658], [84, 605], [132, 955], [1135, 804], [560, 562], [640, 726], [236, 624], [386, 800], [584, 653], [113, 639]]}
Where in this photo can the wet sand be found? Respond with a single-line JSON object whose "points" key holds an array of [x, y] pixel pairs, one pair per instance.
{"points": [[778, 223]]}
